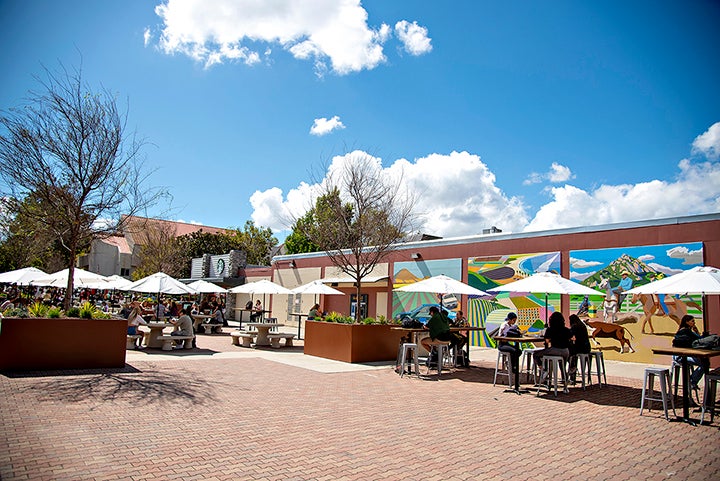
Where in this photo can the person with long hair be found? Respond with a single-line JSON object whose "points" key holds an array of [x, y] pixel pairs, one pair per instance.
{"points": [[135, 320], [684, 337], [558, 339], [581, 345]]}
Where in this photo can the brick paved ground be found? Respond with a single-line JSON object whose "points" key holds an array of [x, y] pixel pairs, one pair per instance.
{"points": [[180, 416]]}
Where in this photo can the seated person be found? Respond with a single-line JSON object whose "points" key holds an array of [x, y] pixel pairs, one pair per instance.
{"points": [[314, 312], [440, 330], [134, 321], [183, 324], [509, 328], [581, 345], [258, 311], [557, 340], [686, 334]]}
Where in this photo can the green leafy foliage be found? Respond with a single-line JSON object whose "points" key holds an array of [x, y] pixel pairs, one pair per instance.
{"points": [[73, 312], [38, 309], [54, 312]]}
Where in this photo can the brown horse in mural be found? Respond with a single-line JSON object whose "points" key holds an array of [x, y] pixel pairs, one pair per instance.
{"points": [[652, 306], [610, 331]]}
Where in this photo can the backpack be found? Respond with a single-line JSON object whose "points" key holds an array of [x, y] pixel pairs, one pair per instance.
{"points": [[248, 305], [708, 342], [411, 323], [683, 338]]}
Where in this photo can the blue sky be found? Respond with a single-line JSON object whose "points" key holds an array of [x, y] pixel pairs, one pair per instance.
{"points": [[522, 115]]}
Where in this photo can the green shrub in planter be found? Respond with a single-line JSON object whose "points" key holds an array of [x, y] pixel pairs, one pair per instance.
{"points": [[54, 313], [38, 310], [73, 312]]}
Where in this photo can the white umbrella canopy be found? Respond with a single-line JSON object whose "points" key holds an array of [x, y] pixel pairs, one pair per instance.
{"points": [[260, 287], [316, 287], [547, 283], [117, 282], [205, 287], [442, 284], [160, 283], [698, 280], [22, 277], [81, 279]]}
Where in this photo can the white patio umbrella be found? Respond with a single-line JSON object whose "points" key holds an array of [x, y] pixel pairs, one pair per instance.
{"points": [[81, 279], [260, 287], [316, 287], [117, 282], [698, 280], [22, 277], [159, 283], [205, 287], [547, 283], [442, 284]]}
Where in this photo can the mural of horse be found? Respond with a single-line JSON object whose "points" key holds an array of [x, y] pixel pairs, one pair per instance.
{"points": [[652, 306], [610, 303], [610, 331]]}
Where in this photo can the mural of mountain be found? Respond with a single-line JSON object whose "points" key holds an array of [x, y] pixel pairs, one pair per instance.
{"points": [[640, 272], [404, 276]]}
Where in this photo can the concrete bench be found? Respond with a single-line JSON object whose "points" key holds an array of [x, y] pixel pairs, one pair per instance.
{"points": [[275, 339], [168, 341], [131, 338], [210, 328], [247, 338]]}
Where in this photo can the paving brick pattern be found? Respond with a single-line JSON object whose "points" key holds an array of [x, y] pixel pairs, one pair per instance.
{"points": [[255, 419]]}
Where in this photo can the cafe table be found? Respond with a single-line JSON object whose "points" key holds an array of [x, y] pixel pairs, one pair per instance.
{"points": [[200, 318], [683, 353], [251, 311], [156, 330], [263, 329], [516, 367]]}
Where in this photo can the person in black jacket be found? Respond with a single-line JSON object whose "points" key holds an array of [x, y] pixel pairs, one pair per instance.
{"points": [[684, 337], [580, 346]]}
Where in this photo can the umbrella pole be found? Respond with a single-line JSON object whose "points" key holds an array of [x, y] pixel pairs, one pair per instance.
{"points": [[546, 311]]}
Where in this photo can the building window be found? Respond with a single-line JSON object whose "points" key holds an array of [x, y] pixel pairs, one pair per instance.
{"points": [[124, 272]]}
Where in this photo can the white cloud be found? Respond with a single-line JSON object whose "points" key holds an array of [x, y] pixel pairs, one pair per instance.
{"points": [[689, 257], [708, 143], [582, 263], [696, 190], [147, 36], [669, 271], [334, 34], [414, 37], [323, 126], [460, 198], [557, 173]]}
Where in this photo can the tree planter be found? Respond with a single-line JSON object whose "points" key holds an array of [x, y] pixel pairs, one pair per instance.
{"points": [[351, 342], [67, 343]]}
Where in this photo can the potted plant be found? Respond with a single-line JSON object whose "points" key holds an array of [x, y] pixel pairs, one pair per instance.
{"points": [[338, 337]]}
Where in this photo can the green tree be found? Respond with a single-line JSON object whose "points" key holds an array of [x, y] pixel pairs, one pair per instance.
{"points": [[257, 242], [68, 146], [297, 242]]}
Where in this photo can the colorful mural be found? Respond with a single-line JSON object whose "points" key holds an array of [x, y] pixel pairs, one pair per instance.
{"points": [[409, 272], [487, 272], [646, 321]]}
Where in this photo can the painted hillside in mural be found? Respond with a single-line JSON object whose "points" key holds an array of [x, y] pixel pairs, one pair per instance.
{"points": [[644, 321], [407, 303]]}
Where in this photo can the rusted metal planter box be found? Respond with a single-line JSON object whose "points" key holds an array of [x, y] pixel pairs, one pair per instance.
{"points": [[28, 344], [351, 342]]}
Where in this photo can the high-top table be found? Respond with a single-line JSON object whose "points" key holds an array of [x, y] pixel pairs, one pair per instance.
{"points": [[683, 353]]}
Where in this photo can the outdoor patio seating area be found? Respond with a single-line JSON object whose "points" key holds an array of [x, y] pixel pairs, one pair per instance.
{"points": [[280, 414]]}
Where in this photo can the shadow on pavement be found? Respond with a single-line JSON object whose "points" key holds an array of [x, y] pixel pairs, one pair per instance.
{"points": [[128, 384]]}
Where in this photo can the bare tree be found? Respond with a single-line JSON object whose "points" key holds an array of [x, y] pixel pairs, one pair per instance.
{"points": [[359, 217], [161, 251], [67, 145]]}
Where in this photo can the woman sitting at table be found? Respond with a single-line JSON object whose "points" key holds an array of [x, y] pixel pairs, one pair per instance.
{"points": [[580, 346], [258, 311], [557, 340], [314, 313], [686, 334], [134, 321]]}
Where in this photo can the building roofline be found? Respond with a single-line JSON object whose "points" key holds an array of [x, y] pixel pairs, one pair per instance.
{"points": [[525, 235]]}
